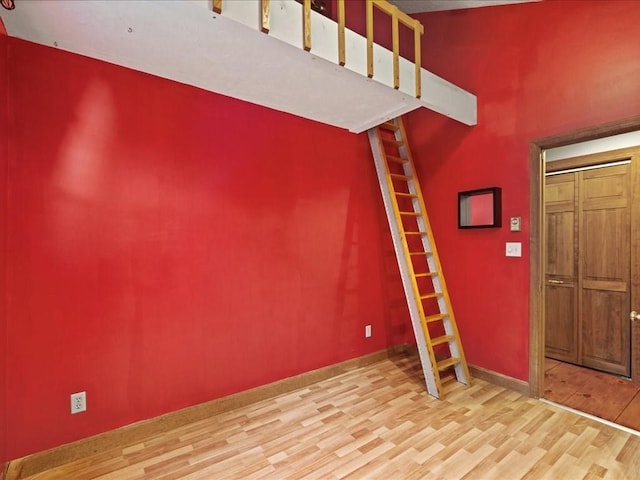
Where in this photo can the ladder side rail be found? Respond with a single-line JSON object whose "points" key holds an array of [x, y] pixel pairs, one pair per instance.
{"points": [[427, 358], [433, 260]]}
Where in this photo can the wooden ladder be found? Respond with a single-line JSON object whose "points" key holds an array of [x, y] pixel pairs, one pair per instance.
{"points": [[432, 318]]}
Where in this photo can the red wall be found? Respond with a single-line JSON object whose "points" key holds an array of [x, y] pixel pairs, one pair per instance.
{"points": [[537, 69], [168, 246], [4, 145]]}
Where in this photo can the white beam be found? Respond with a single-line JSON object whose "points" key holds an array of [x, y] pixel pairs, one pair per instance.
{"points": [[187, 42]]}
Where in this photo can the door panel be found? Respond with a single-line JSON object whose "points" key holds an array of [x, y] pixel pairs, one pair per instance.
{"points": [[559, 192], [605, 245], [561, 333], [605, 331], [605, 187], [560, 245], [561, 297]]}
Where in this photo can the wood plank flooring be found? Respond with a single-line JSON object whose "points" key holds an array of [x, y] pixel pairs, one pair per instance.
{"points": [[606, 396], [377, 422]]}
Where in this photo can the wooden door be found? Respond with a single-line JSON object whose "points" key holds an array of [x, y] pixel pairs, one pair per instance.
{"points": [[635, 263], [588, 268], [604, 269], [561, 272]]}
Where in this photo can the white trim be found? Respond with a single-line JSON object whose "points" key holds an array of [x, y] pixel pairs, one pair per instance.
{"points": [[592, 417]]}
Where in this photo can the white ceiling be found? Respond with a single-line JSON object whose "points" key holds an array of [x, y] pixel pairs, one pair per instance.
{"points": [[419, 6]]}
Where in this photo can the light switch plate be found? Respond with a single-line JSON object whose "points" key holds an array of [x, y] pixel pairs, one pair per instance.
{"points": [[515, 225], [514, 249]]}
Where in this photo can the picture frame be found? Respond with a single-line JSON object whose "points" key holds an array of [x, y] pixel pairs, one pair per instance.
{"points": [[481, 208]]}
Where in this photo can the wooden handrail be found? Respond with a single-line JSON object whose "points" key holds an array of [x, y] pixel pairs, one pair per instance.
{"points": [[264, 16], [306, 25], [369, 27], [397, 17], [395, 42], [341, 40], [417, 58]]}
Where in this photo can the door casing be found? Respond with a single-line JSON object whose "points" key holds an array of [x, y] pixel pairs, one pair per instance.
{"points": [[536, 245]]}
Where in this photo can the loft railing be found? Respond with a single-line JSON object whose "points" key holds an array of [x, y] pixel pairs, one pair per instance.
{"points": [[397, 17]]}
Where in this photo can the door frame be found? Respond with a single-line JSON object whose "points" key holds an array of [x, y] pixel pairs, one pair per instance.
{"points": [[536, 243]]}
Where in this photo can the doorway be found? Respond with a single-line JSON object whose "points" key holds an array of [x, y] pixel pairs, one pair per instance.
{"points": [[587, 227], [587, 269], [537, 332]]}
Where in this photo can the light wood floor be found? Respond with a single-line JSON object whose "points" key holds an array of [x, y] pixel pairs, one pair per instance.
{"points": [[377, 422], [606, 396]]}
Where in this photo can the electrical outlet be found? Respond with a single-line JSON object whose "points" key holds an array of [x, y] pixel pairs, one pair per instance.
{"points": [[78, 402], [367, 331]]}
